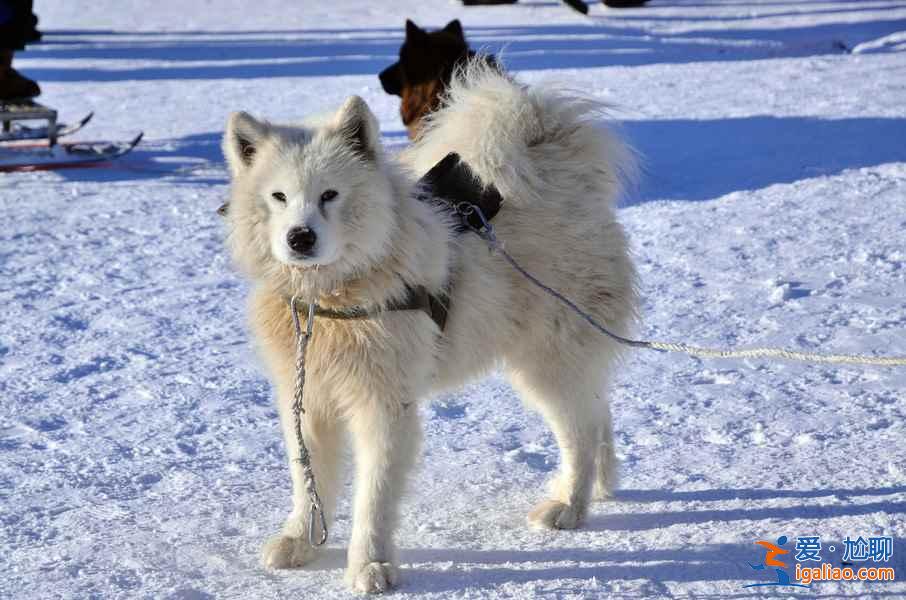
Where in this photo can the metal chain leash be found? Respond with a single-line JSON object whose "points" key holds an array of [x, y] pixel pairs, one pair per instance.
{"points": [[487, 233], [316, 512]]}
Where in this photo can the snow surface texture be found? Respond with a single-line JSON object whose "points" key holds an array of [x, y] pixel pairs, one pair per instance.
{"points": [[140, 455]]}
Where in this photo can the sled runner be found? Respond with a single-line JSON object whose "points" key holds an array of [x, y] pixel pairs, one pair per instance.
{"points": [[40, 157], [15, 156], [15, 132]]}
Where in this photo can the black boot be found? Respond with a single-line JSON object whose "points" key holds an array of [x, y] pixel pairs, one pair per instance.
{"points": [[13, 85]]}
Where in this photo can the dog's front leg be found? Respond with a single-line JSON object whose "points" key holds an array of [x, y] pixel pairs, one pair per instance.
{"points": [[386, 438], [323, 438]]}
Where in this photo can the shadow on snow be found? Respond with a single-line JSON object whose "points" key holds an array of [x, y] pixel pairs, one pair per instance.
{"points": [[604, 42], [682, 159], [702, 159]]}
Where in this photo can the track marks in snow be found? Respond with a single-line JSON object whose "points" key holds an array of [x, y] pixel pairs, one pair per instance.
{"points": [[97, 365]]}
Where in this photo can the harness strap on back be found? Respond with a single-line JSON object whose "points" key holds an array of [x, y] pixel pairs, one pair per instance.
{"points": [[452, 183]]}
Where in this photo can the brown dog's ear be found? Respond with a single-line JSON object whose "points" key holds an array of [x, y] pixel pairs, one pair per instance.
{"points": [[455, 27], [414, 33]]}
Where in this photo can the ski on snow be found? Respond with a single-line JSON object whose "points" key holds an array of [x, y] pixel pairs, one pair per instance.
{"points": [[39, 157], [18, 156]]}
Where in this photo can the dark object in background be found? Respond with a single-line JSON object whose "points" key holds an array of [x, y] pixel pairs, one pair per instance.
{"points": [[577, 5], [574, 4], [17, 28], [13, 85], [17, 24], [423, 72]]}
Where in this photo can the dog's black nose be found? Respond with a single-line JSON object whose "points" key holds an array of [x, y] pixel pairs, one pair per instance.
{"points": [[301, 239]]}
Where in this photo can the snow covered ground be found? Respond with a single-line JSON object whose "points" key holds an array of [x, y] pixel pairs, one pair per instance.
{"points": [[139, 449]]}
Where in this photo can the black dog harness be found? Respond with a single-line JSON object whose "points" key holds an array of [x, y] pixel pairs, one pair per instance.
{"points": [[452, 186], [417, 298]]}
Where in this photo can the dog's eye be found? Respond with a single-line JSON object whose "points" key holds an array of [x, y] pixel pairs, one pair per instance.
{"points": [[328, 195], [279, 197]]}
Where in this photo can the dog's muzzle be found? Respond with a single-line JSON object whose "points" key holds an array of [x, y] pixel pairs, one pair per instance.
{"points": [[301, 240]]}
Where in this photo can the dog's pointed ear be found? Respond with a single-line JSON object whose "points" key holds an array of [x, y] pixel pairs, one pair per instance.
{"points": [[242, 140], [358, 125], [414, 33], [455, 27]]}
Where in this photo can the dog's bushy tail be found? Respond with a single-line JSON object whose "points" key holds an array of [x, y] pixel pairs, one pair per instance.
{"points": [[526, 140]]}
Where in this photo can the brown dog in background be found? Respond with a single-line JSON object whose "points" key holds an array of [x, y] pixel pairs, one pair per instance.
{"points": [[421, 75]]}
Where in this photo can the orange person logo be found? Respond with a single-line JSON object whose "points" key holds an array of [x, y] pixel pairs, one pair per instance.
{"points": [[772, 551], [769, 560]]}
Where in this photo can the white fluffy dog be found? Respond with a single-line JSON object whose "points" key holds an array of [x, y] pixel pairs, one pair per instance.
{"points": [[319, 210]]}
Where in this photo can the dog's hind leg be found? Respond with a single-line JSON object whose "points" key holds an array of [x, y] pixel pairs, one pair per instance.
{"points": [[323, 437], [571, 401], [606, 463]]}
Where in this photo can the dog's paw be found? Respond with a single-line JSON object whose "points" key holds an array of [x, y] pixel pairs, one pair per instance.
{"points": [[553, 514], [285, 552], [372, 578]]}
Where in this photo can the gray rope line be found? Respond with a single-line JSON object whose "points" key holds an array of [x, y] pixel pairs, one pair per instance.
{"points": [[487, 234], [316, 510]]}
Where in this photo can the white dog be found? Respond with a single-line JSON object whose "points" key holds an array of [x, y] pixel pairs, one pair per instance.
{"points": [[320, 211]]}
